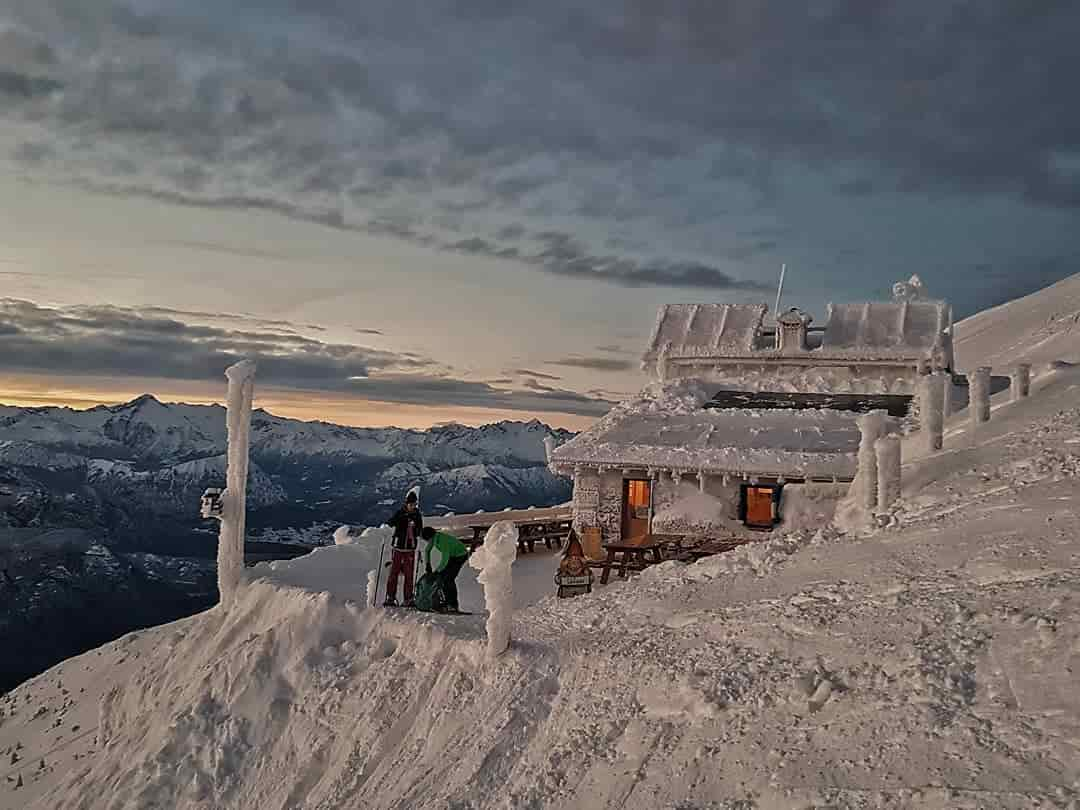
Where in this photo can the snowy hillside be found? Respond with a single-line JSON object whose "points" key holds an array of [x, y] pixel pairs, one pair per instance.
{"points": [[1040, 328], [930, 664]]}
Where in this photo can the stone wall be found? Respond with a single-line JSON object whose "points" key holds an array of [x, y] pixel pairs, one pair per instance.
{"points": [[598, 502]]}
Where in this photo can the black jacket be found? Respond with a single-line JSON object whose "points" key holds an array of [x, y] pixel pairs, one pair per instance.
{"points": [[400, 522]]}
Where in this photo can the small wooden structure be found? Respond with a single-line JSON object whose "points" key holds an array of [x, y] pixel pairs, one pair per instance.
{"points": [[574, 576]]}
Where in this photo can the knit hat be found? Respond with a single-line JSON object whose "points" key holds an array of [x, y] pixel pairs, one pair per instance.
{"points": [[411, 497]]}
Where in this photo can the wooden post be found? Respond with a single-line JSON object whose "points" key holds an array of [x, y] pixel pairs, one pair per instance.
{"points": [[932, 410], [872, 426], [241, 377], [888, 451], [1020, 381], [979, 388]]}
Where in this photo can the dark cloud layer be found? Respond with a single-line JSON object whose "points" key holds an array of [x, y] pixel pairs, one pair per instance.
{"points": [[113, 342], [657, 141], [596, 363]]}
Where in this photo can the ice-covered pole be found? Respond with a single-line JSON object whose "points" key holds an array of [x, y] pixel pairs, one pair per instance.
{"points": [[979, 395], [549, 450], [494, 560], [241, 377], [887, 449], [932, 410], [872, 426], [1020, 382], [947, 394], [663, 370]]}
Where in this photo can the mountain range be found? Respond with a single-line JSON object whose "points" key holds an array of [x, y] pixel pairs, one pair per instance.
{"points": [[133, 473], [100, 530]]}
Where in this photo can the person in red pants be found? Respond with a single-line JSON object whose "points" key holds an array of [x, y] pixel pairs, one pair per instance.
{"points": [[407, 523]]}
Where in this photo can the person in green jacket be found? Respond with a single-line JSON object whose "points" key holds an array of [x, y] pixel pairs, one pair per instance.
{"points": [[452, 556]]}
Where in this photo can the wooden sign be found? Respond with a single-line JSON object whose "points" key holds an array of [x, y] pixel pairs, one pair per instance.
{"points": [[574, 577]]}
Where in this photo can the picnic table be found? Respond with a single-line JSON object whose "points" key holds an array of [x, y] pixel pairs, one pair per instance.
{"points": [[629, 557], [551, 532]]}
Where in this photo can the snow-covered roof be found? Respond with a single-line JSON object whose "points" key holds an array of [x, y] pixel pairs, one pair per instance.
{"points": [[706, 329], [907, 331], [910, 328], [763, 442]]}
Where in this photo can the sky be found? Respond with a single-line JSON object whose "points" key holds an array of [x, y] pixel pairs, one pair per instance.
{"points": [[418, 212]]}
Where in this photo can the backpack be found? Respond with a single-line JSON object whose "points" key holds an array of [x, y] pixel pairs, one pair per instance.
{"points": [[429, 596]]}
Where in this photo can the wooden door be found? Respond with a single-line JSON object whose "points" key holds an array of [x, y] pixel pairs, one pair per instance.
{"points": [[637, 503], [759, 506]]}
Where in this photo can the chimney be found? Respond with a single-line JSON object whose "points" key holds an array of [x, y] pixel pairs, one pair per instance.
{"points": [[791, 328]]}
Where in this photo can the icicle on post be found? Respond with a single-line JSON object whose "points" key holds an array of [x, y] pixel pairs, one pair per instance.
{"points": [[241, 377], [494, 560]]}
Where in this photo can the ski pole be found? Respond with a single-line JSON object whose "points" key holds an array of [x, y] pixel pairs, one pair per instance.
{"points": [[378, 574]]}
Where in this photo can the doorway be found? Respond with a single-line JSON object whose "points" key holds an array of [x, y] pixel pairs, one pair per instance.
{"points": [[637, 509], [760, 506]]}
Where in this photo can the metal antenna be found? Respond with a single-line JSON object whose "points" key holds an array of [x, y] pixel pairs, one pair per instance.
{"points": [[780, 291]]}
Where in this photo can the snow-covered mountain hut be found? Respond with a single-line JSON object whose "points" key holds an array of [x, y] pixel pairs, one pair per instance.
{"points": [[747, 425]]}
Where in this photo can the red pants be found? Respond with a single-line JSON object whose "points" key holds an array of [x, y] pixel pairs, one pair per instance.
{"points": [[402, 562]]}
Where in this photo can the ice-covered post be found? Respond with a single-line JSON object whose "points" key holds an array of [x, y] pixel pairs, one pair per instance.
{"points": [[979, 395], [872, 426], [1020, 382], [932, 410], [549, 450], [888, 451], [494, 560], [662, 369], [947, 397], [241, 377]]}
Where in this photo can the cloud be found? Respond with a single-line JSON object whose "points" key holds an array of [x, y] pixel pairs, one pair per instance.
{"points": [[114, 342], [26, 87], [428, 390], [595, 363], [539, 375], [657, 138], [561, 255]]}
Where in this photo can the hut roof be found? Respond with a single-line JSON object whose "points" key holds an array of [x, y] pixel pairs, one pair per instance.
{"points": [[647, 433], [905, 331]]}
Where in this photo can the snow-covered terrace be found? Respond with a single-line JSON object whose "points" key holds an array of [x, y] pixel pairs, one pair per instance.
{"points": [[793, 444]]}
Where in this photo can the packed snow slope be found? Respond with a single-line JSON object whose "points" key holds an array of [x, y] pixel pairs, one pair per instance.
{"points": [[930, 664], [1040, 328]]}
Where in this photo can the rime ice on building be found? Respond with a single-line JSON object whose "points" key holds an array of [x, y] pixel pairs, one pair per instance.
{"points": [[748, 425]]}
